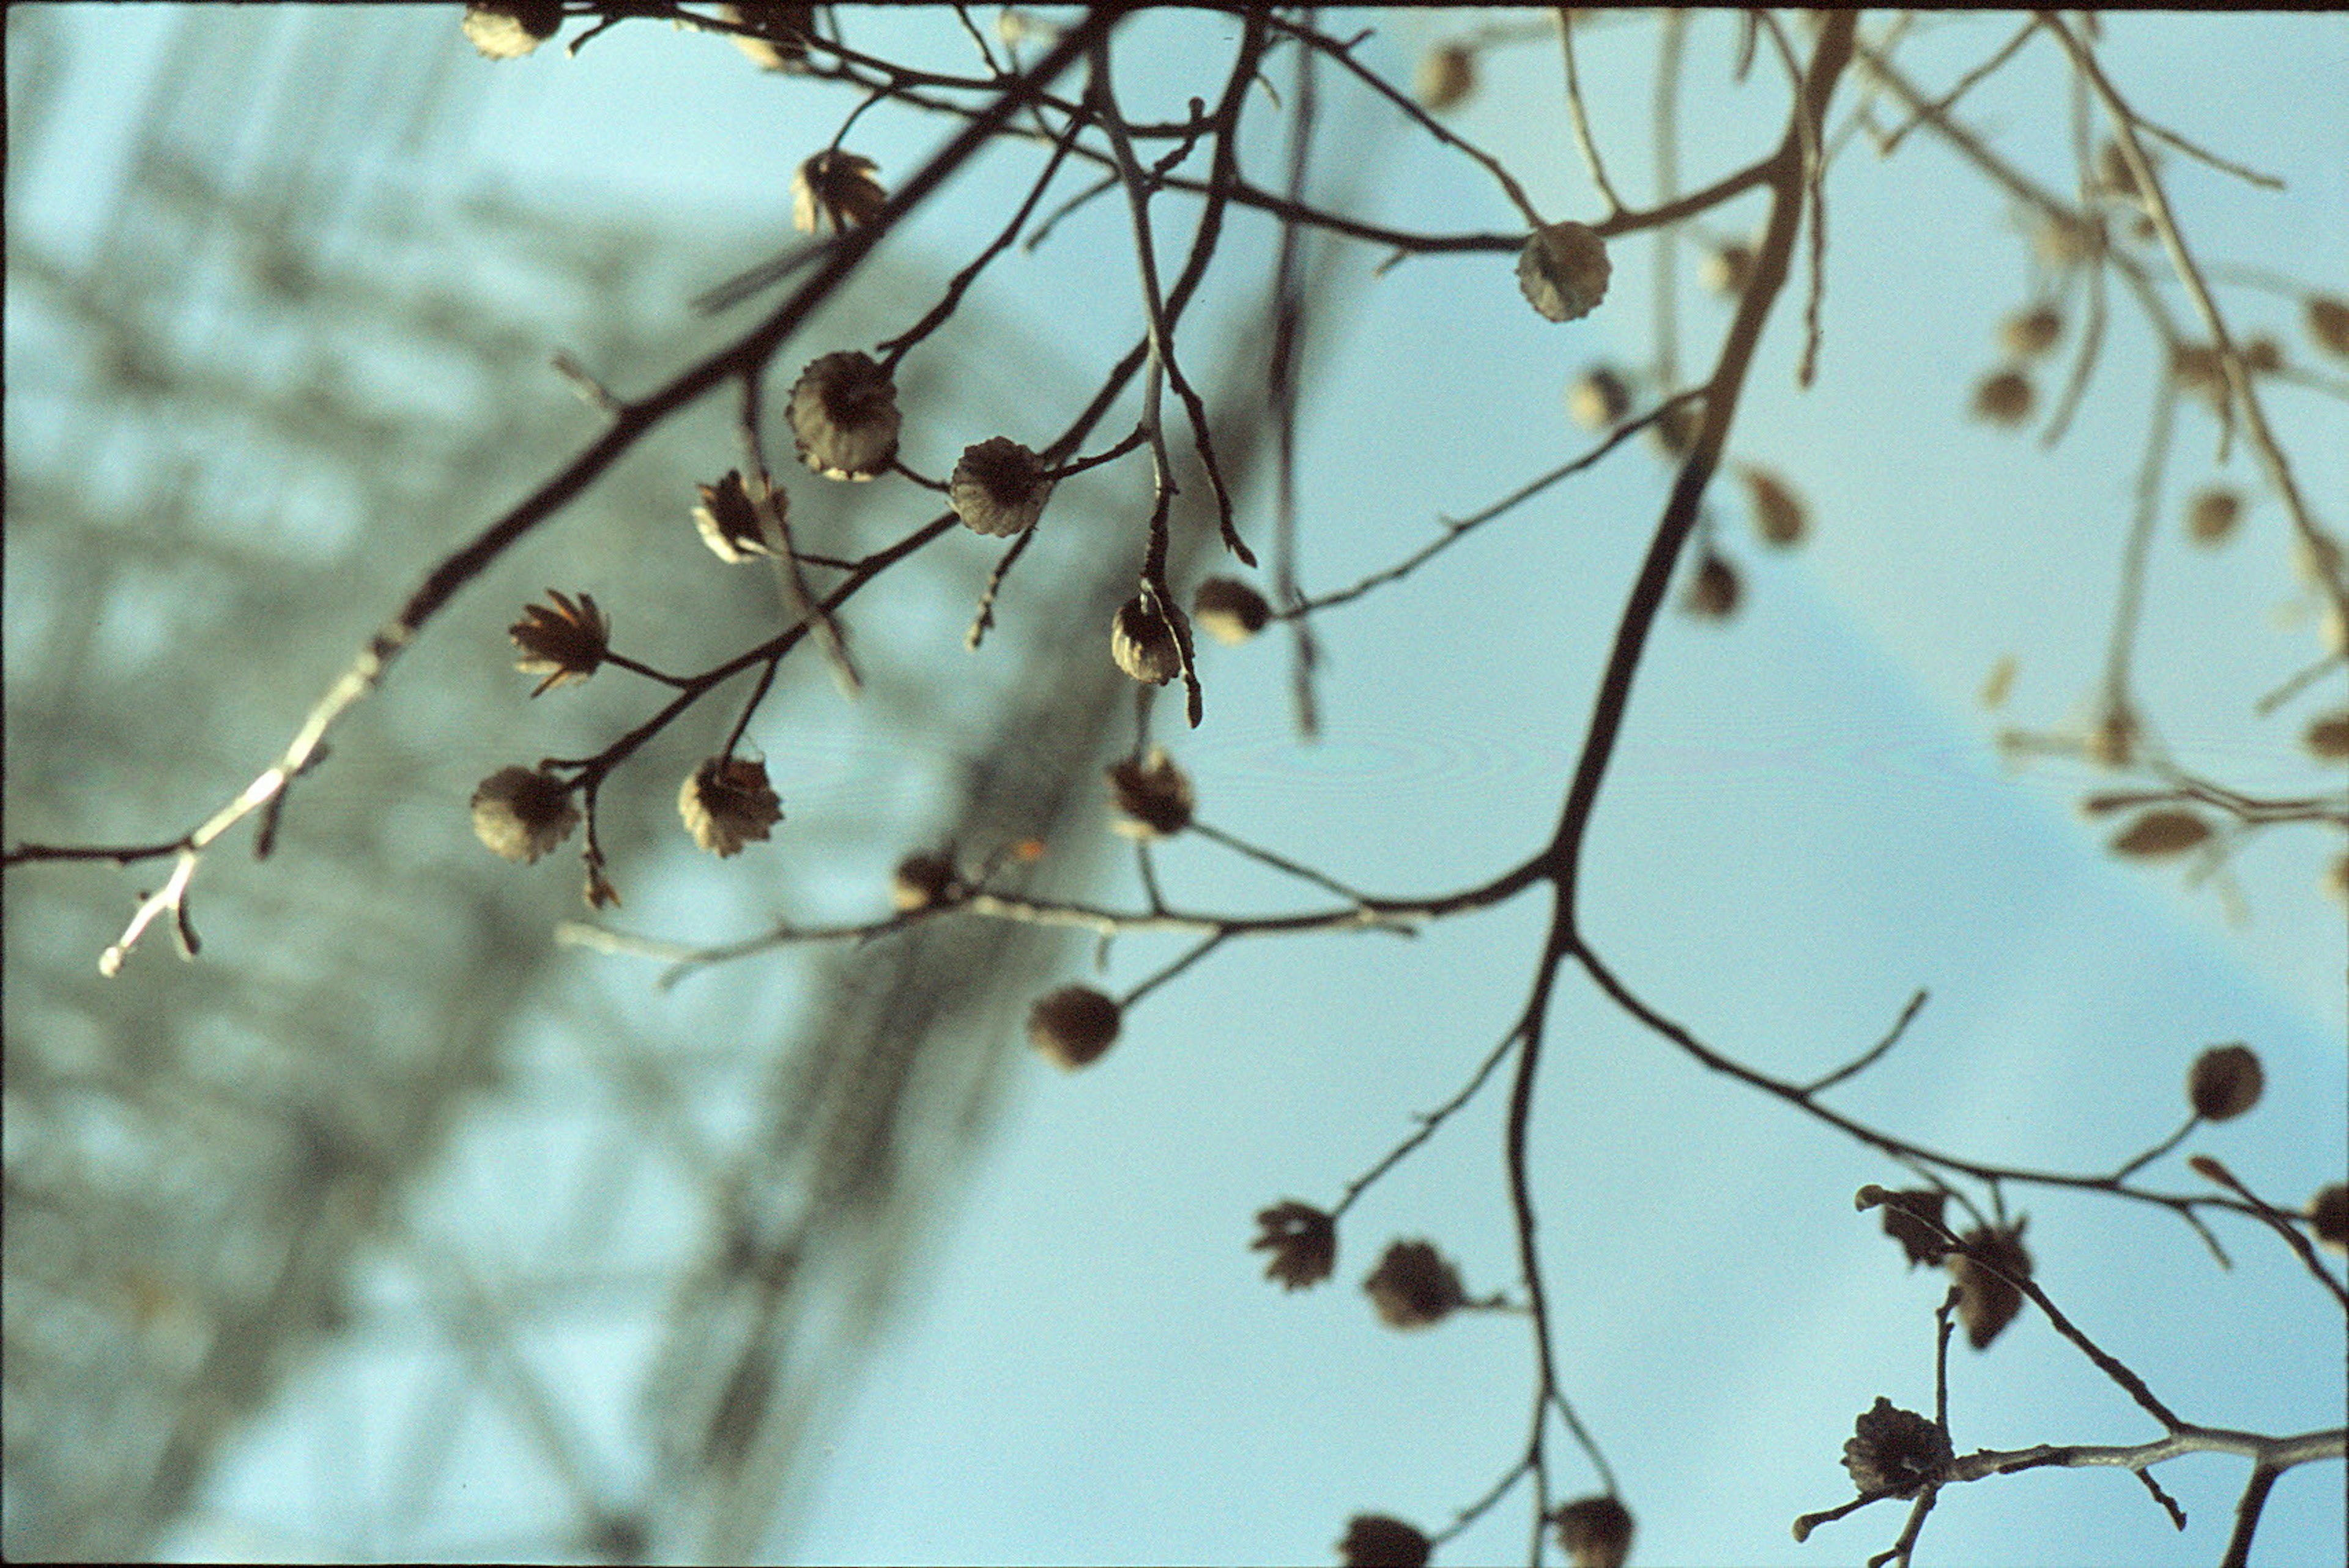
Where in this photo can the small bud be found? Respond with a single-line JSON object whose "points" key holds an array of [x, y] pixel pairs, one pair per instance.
{"points": [[564, 643], [999, 488], [2327, 736], [1445, 76], [2328, 322], [2212, 516], [1374, 1540], [844, 413], [1303, 1241], [508, 29], [1906, 1216], [1779, 515], [1712, 594], [2196, 367], [2156, 835], [2224, 1082], [1152, 796], [838, 188], [726, 802], [2004, 397], [521, 814], [1413, 1286], [1987, 1301], [2028, 334], [1144, 644], [1074, 1025], [1563, 270], [921, 880], [2328, 1214], [1597, 398], [782, 32], [1894, 1452], [739, 519], [1595, 1532], [2263, 355], [1229, 610], [1727, 269], [599, 892]]}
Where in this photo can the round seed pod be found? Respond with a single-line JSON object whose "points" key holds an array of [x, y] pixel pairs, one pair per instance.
{"points": [[1074, 1025], [1597, 398], [2327, 736], [1563, 270], [844, 414], [1595, 1532], [2004, 397], [2263, 355], [2224, 1082], [999, 488], [1229, 610], [2028, 334], [1375, 1541], [1413, 1286], [2212, 516], [727, 803], [1144, 644], [1713, 592], [2327, 321], [1779, 515], [2328, 1216], [1446, 78], [1727, 269], [920, 880], [1893, 1452], [1154, 799], [521, 813]]}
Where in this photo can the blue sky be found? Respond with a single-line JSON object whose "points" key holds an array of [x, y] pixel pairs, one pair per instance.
{"points": [[1806, 822]]}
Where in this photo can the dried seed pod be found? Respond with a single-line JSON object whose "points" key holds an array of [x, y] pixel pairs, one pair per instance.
{"points": [[1987, 1301], [1229, 610], [1675, 432], [2064, 242], [1893, 1452], [1595, 1532], [521, 813], [1446, 78], [1413, 1286], [2004, 397], [2327, 736], [2155, 834], [922, 879], [2212, 516], [1375, 1541], [2196, 367], [1713, 592], [838, 188], [1597, 398], [781, 33], [2028, 334], [1779, 515], [999, 488], [2327, 321], [2225, 1082], [1074, 1025], [1142, 642], [844, 413], [1913, 1218], [1563, 270], [726, 802], [739, 519], [2328, 1215], [564, 643], [1727, 269], [2113, 742], [1152, 796], [508, 29], [1303, 1241], [2263, 355]]}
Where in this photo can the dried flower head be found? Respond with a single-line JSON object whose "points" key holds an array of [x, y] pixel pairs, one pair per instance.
{"points": [[2156, 835], [2197, 368], [1074, 1025], [2004, 397], [838, 188], [1445, 76], [508, 29], [2028, 334], [1675, 433], [1563, 270], [843, 411], [1893, 1452], [1413, 1286], [1987, 1301], [1229, 610], [1302, 1239], [778, 35], [2212, 516], [2328, 1215], [1913, 1218], [1727, 269], [2224, 1082], [1375, 1541], [564, 642], [726, 802], [2328, 322], [1713, 592], [1779, 515], [1142, 642], [999, 488], [1595, 1532], [739, 519], [1597, 398], [922, 879], [2327, 736], [521, 814], [1152, 796]]}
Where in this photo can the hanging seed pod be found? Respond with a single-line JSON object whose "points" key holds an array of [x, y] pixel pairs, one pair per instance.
{"points": [[2004, 397], [1595, 1532], [2156, 834], [1446, 78], [1375, 1541], [727, 803], [1713, 592], [1414, 1287], [2327, 736], [2212, 516], [2327, 321], [2328, 1216], [521, 815], [1893, 1452], [1073, 1026], [1727, 269], [1563, 271], [999, 488], [844, 413], [2224, 1082], [2028, 334], [1229, 610], [922, 879], [1142, 642], [1779, 515], [1987, 1301], [1597, 398], [508, 29]]}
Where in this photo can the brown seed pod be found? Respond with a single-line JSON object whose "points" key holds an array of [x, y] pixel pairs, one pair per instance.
{"points": [[1563, 271], [1779, 515], [1229, 610], [2028, 334], [838, 188], [565, 642], [1987, 1301], [521, 813], [2263, 355], [726, 802], [1142, 642], [2004, 397], [742, 519], [1713, 592], [1303, 1241], [1413, 1286], [1446, 78], [2225, 1082], [2327, 736], [1152, 796], [999, 488], [1913, 1218], [1893, 1452], [844, 414], [922, 879], [1074, 1025], [1375, 1541], [2212, 516], [1674, 435], [1727, 269], [2327, 321], [2328, 1215], [1597, 398], [1595, 1532], [781, 33], [2155, 834]]}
